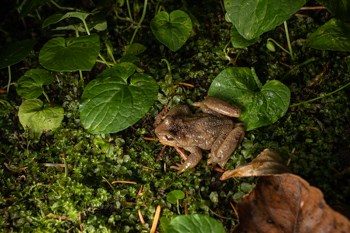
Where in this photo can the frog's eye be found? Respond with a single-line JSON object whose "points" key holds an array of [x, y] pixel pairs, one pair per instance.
{"points": [[169, 138]]}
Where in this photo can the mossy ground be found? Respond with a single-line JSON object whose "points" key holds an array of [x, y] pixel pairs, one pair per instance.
{"points": [[88, 194]]}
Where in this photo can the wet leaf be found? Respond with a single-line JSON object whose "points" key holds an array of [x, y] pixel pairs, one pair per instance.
{"points": [[30, 85], [333, 35], [117, 99], [172, 29], [261, 104], [286, 203], [72, 54], [194, 224], [266, 163], [252, 18]]}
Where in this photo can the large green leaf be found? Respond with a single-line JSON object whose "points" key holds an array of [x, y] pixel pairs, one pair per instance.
{"points": [[196, 223], [72, 54], [238, 41], [261, 105], [333, 35], [172, 29], [252, 18], [340, 8], [37, 118], [30, 85], [13, 53], [117, 99]]}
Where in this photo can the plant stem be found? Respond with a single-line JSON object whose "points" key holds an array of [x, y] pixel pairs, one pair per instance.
{"points": [[288, 40], [320, 97], [47, 98], [278, 45], [10, 77], [62, 7], [86, 27], [129, 11], [140, 22]]}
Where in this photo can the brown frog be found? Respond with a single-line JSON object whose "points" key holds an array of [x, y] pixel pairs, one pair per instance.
{"points": [[213, 130]]}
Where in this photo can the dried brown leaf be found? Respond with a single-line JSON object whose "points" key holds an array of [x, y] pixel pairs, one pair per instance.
{"points": [[286, 203], [266, 163]]}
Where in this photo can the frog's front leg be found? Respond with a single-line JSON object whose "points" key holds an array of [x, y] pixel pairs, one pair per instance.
{"points": [[224, 147], [190, 161], [216, 106]]}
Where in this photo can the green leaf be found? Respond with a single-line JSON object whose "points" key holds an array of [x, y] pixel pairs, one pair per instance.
{"points": [[33, 115], [30, 85], [238, 41], [172, 30], [174, 196], [72, 54], [53, 19], [333, 35], [196, 223], [117, 99], [340, 8], [260, 107], [13, 53], [252, 18]]}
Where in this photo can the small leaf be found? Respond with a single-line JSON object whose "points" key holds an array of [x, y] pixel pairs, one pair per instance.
{"points": [[238, 41], [53, 19], [117, 99], [72, 54], [333, 35], [172, 30], [33, 115], [30, 84], [260, 107], [252, 18], [174, 196], [196, 223], [13, 53]]}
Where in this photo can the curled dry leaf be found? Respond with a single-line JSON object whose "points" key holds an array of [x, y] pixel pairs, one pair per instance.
{"points": [[266, 163], [286, 203]]}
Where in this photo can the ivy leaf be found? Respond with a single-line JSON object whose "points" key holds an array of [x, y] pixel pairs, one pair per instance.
{"points": [[174, 196], [13, 53], [172, 29], [333, 35], [260, 106], [72, 54], [252, 18], [196, 223], [38, 118], [117, 99], [30, 84]]}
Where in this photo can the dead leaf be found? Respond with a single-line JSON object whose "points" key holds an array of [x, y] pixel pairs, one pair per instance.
{"points": [[286, 203], [267, 162]]}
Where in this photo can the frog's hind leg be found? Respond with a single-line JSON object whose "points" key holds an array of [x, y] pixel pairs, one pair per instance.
{"points": [[221, 154]]}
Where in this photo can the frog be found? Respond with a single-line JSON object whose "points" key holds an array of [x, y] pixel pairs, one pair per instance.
{"points": [[214, 129]]}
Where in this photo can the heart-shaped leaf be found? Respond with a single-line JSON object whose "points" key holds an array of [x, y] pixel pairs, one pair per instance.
{"points": [[37, 118], [13, 53], [238, 41], [260, 105], [252, 18], [174, 196], [72, 54], [172, 29], [30, 85], [117, 99], [196, 223], [333, 35]]}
